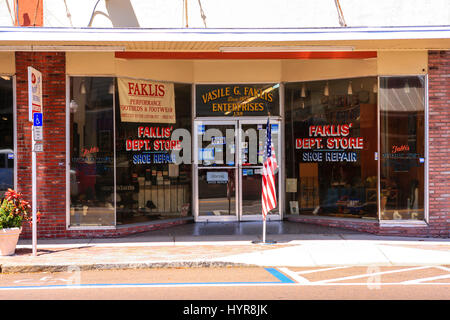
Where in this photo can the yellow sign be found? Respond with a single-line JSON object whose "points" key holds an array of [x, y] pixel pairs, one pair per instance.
{"points": [[146, 101], [236, 100]]}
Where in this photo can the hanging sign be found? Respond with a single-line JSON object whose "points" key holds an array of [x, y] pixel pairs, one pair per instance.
{"points": [[146, 101]]}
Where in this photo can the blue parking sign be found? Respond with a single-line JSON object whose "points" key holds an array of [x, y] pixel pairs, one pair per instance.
{"points": [[37, 119]]}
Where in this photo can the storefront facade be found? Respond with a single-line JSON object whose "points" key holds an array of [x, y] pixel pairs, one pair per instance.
{"points": [[136, 140]]}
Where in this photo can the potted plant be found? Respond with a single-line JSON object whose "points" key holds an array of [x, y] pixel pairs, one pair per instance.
{"points": [[13, 212]]}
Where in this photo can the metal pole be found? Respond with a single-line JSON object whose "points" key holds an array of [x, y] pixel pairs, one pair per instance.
{"points": [[34, 196], [264, 230]]}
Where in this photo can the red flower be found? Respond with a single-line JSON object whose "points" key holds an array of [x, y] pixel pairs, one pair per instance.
{"points": [[14, 206]]}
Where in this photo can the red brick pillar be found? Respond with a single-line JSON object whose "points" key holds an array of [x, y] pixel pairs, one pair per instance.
{"points": [[439, 142], [51, 173]]}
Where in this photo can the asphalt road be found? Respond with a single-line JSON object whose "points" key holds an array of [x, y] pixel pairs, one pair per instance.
{"points": [[293, 283]]}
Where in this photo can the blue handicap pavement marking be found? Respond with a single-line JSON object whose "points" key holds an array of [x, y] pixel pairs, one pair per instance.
{"points": [[281, 279], [37, 119], [279, 275]]}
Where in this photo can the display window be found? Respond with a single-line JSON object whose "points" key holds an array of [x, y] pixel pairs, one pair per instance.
{"points": [[402, 143], [6, 135], [92, 151], [128, 151], [152, 183], [331, 148]]}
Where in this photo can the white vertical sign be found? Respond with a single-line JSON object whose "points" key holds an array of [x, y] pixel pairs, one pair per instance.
{"points": [[34, 106], [34, 92]]}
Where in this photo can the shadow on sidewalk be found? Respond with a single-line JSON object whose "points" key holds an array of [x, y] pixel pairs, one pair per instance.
{"points": [[42, 252], [242, 231]]}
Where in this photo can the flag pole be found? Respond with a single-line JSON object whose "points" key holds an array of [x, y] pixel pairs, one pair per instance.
{"points": [[265, 215], [264, 230]]}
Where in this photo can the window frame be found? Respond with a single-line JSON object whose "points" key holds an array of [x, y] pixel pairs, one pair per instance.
{"points": [[376, 77], [68, 137], [425, 220], [115, 226]]}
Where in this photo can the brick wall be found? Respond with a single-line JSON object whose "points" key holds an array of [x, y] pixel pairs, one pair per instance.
{"points": [[51, 186], [439, 142]]}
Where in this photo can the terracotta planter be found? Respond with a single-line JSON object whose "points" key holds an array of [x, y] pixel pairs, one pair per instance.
{"points": [[8, 240]]}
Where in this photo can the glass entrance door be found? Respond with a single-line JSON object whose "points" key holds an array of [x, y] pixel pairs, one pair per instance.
{"points": [[215, 176], [227, 174], [252, 137]]}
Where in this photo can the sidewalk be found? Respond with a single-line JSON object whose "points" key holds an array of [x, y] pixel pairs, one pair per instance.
{"points": [[231, 244]]}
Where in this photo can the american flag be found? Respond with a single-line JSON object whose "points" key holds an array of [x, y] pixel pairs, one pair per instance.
{"points": [[269, 196]]}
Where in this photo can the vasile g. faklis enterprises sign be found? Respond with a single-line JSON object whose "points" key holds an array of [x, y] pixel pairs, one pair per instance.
{"points": [[237, 100]]}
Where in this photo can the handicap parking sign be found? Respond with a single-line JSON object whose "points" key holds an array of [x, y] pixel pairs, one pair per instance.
{"points": [[37, 119]]}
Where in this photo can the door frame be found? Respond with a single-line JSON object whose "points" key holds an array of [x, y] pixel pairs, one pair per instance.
{"points": [[258, 217], [237, 122], [197, 217]]}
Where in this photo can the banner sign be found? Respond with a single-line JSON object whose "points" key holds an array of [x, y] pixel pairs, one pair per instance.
{"points": [[237, 100], [146, 101], [34, 92]]}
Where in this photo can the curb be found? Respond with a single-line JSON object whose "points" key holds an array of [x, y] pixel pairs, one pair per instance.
{"points": [[119, 266]]}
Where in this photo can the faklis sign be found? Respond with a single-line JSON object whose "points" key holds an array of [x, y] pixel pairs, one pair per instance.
{"points": [[146, 101], [328, 142]]}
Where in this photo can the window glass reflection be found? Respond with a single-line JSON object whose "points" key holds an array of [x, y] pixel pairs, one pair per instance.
{"points": [[402, 107], [331, 141], [151, 184], [217, 192], [6, 135], [91, 152]]}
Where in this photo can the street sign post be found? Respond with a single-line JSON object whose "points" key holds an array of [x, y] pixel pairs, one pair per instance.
{"points": [[35, 116]]}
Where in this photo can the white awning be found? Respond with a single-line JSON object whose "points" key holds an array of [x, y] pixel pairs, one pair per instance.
{"points": [[436, 37]]}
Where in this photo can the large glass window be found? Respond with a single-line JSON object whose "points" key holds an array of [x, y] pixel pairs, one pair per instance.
{"points": [[331, 145], [91, 151], [6, 135], [151, 183], [402, 143], [127, 166]]}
